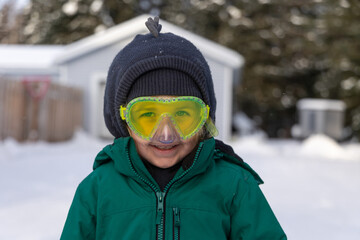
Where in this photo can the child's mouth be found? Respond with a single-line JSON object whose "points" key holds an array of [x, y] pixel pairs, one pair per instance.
{"points": [[164, 147]]}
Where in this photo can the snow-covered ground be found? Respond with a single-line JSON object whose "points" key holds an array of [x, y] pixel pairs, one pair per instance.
{"points": [[313, 186]]}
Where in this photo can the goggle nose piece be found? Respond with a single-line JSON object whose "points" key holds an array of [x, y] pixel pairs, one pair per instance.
{"points": [[166, 132], [166, 141]]}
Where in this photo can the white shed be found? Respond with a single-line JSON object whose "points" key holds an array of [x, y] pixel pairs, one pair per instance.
{"points": [[321, 116], [85, 64]]}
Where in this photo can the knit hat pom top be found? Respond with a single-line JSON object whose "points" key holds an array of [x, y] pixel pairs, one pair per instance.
{"points": [[153, 26], [155, 64]]}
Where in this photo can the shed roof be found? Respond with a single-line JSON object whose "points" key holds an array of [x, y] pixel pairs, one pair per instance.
{"points": [[135, 26], [14, 57]]}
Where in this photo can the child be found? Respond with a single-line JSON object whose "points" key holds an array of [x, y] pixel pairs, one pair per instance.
{"points": [[165, 177]]}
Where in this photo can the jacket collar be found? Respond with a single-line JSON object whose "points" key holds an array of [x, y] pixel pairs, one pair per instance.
{"points": [[126, 160]]}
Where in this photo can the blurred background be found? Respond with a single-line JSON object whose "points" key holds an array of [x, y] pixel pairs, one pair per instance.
{"points": [[292, 49], [286, 75]]}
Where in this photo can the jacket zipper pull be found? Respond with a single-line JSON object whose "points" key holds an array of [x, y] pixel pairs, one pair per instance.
{"points": [[160, 207], [176, 217], [176, 227]]}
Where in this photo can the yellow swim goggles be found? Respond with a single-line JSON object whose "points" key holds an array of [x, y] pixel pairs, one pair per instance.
{"points": [[187, 115]]}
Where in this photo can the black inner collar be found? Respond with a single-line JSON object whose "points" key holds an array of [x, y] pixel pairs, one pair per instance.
{"points": [[164, 175]]}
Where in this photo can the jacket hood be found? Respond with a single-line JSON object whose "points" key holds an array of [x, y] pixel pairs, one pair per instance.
{"points": [[226, 152], [118, 153]]}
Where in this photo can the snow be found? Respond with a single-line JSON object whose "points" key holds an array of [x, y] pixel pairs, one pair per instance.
{"points": [[70, 8], [313, 185]]}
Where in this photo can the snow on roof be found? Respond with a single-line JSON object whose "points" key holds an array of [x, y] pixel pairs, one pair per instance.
{"points": [[135, 26], [321, 104], [28, 56]]}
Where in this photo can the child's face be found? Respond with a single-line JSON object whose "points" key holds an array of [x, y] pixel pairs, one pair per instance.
{"points": [[166, 149], [164, 155]]}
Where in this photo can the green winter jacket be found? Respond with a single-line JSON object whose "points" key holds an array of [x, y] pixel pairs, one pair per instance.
{"points": [[216, 198]]}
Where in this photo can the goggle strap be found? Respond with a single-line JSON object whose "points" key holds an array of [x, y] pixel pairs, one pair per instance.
{"points": [[211, 128], [122, 112]]}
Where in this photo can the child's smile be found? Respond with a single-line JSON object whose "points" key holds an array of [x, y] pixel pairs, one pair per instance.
{"points": [[164, 155]]}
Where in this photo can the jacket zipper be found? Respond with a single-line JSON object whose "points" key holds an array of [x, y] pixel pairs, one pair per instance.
{"points": [[176, 224], [168, 186], [160, 215], [160, 196]]}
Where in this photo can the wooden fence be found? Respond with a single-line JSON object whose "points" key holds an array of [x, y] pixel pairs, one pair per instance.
{"points": [[52, 117]]}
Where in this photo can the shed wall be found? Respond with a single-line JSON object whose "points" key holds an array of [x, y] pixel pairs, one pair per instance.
{"points": [[80, 72]]}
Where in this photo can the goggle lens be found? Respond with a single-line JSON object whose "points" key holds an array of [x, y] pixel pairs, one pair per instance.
{"points": [[144, 114]]}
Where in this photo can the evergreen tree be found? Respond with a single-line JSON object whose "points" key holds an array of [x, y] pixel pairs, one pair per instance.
{"points": [[66, 21], [4, 23], [10, 24]]}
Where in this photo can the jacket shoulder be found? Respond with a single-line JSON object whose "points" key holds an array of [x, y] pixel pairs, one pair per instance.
{"points": [[103, 171]]}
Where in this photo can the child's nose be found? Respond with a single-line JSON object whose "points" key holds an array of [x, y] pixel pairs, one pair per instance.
{"points": [[166, 132]]}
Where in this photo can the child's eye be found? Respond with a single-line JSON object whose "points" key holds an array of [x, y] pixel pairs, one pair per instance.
{"points": [[148, 114], [181, 113]]}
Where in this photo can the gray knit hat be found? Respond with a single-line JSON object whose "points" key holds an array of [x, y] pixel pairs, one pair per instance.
{"points": [[155, 64]]}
